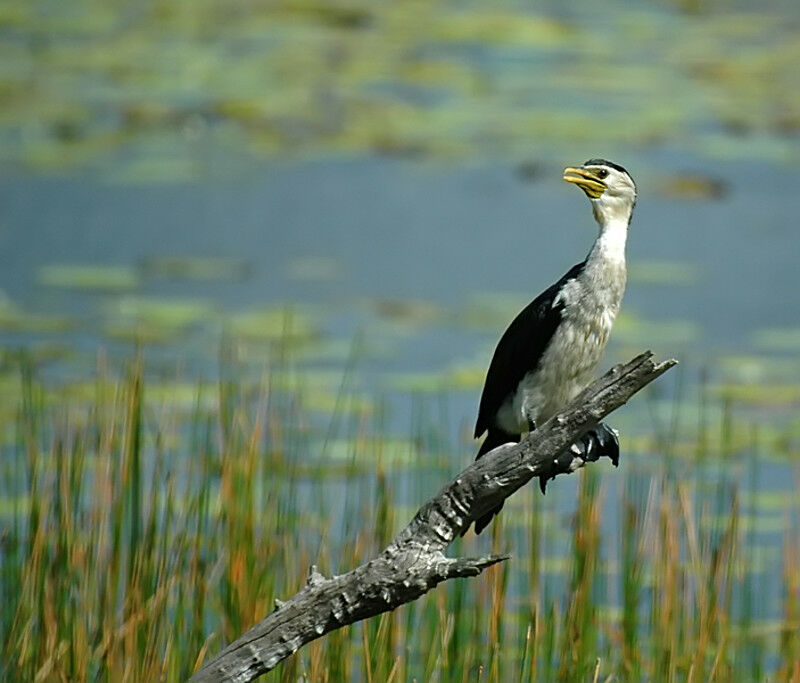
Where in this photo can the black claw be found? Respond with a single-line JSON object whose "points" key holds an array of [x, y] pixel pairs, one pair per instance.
{"points": [[595, 444], [599, 442], [609, 442]]}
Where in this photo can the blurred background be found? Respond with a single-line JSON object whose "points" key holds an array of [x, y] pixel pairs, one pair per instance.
{"points": [[254, 259]]}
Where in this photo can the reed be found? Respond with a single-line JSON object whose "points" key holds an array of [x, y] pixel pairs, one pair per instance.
{"points": [[138, 537]]}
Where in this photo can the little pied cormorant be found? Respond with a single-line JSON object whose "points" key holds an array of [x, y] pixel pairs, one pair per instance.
{"points": [[551, 350]]}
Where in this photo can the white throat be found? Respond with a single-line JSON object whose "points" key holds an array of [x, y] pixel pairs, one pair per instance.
{"points": [[610, 243]]}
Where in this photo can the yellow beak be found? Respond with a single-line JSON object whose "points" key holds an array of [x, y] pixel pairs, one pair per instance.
{"points": [[590, 184]]}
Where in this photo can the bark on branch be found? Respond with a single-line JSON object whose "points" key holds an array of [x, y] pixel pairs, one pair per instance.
{"points": [[414, 562]]}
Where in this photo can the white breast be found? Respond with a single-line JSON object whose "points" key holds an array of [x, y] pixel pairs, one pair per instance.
{"points": [[591, 303]]}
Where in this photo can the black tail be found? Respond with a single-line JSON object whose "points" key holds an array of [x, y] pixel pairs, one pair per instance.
{"points": [[495, 438]]}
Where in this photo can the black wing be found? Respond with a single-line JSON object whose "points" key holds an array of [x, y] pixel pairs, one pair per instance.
{"points": [[520, 348]]}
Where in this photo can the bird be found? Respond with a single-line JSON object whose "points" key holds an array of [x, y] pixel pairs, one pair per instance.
{"points": [[551, 350]]}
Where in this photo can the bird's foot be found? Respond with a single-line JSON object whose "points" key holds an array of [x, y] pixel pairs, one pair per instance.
{"points": [[601, 441], [598, 442]]}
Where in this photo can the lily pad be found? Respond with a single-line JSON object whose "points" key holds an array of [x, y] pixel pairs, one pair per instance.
{"points": [[407, 312], [663, 273], [491, 311], [12, 319], [778, 339], [764, 394], [89, 277], [693, 186], [155, 320], [167, 313], [286, 324], [753, 368], [200, 268], [634, 330]]}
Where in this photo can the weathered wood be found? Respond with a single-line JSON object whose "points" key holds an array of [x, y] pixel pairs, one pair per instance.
{"points": [[414, 562]]}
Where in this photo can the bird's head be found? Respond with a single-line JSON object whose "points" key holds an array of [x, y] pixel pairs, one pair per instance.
{"points": [[609, 187]]}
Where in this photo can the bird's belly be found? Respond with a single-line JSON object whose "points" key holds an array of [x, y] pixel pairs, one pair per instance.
{"points": [[564, 370]]}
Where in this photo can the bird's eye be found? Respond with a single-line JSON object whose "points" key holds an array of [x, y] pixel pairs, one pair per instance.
{"points": [[602, 173]]}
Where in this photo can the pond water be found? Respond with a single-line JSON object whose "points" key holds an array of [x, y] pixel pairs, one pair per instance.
{"points": [[372, 230]]}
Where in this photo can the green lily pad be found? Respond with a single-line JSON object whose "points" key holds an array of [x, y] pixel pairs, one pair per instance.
{"points": [[778, 339], [692, 186], [169, 314], [765, 394], [491, 311], [407, 312], [12, 319], [273, 324], [753, 369], [633, 330], [89, 277], [155, 321], [663, 273], [200, 268]]}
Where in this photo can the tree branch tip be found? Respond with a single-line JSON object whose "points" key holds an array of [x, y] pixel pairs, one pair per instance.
{"points": [[485, 562], [472, 566], [665, 365], [314, 577]]}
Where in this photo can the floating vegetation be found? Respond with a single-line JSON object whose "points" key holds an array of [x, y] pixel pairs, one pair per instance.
{"points": [[407, 313], [446, 80], [330, 402], [764, 394], [753, 369], [491, 311], [778, 339], [663, 273], [333, 350], [273, 324], [181, 394], [393, 453], [137, 332], [89, 277], [179, 313], [14, 320], [156, 170], [773, 501], [692, 186], [307, 380], [160, 395], [149, 320], [633, 330], [503, 28], [460, 377], [197, 268]]}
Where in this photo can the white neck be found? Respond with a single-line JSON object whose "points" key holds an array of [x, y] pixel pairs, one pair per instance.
{"points": [[610, 243]]}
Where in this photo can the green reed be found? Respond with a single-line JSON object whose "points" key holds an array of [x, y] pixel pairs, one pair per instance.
{"points": [[139, 537]]}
